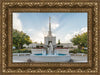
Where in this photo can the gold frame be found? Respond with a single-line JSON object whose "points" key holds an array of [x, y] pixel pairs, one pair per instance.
{"points": [[8, 7]]}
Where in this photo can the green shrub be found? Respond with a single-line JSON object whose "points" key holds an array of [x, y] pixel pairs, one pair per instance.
{"points": [[82, 51], [78, 51], [21, 51]]}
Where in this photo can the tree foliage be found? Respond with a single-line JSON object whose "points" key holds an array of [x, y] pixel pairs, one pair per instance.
{"points": [[20, 38], [80, 40]]}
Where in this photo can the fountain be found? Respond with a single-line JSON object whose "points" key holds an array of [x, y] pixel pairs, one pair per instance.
{"points": [[50, 49], [50, 56]]}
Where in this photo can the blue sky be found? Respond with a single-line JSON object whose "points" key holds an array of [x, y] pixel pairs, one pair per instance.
{"points": [[64, 25]]}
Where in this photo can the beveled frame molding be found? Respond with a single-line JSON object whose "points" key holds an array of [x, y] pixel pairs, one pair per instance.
{"points": [[48, 6]]}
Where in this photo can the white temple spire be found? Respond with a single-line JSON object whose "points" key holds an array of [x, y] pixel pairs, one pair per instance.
{"points": [[49, 33], [49, 23]]}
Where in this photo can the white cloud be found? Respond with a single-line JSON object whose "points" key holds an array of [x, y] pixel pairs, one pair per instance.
{"points": [[54, 22], [83, 30], [30, 30], [44, 31], [54, 25], [37, 35], [68, 37], [17, 24]]}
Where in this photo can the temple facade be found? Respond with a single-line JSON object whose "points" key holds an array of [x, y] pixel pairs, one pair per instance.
{"points": [[49, 38]]}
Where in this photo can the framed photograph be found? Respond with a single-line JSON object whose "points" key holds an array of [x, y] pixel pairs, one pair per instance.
{"points": [[49, 37]]}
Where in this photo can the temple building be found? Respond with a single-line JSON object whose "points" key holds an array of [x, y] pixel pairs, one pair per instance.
{"points": [[62, 47], [49, 38]]}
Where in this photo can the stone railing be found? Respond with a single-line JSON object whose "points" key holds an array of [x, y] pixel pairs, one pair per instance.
{"points": [[78, 54], [21, 54]]}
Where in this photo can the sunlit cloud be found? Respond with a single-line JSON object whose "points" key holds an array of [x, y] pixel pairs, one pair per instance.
{"points": [[17, 24], [37, 35], [83, 30], [68, 37], [54, 25]]}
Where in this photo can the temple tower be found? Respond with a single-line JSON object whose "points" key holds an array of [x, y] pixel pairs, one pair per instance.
{"points": [[49, 32], [50, 38]]}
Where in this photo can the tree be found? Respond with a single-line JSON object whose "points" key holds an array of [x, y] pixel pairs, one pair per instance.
{"points": [[20, 38], [80, 40]]}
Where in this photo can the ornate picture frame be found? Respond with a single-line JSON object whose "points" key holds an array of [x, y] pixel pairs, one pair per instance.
{"points": [[8, 7]]}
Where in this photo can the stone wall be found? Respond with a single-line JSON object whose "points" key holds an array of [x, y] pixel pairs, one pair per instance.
{"points": [[62, 51], [36, 51], [58, 51]]}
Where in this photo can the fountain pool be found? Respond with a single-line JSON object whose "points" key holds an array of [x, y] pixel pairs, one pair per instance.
{"points": [[50, 58], [50, 55]]}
